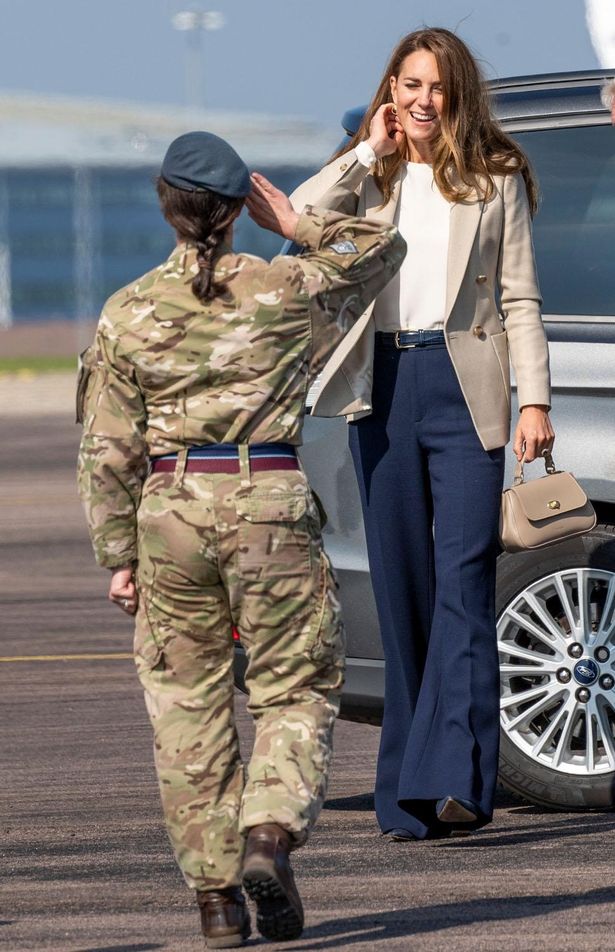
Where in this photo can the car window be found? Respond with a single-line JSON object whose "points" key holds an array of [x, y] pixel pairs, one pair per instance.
{"points": [[574, 229]]}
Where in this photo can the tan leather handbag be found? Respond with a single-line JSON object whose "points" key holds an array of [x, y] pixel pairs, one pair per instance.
{"points": [[543, 511]]}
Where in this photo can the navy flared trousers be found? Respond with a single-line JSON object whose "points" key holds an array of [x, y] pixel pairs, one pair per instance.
{"points": [[431, 497]]}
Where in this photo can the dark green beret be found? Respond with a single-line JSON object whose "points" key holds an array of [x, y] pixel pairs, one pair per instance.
{"points": [[202, 160]]}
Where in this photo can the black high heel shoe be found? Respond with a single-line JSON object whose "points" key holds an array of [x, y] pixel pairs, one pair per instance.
{"points": [[455, 810]]}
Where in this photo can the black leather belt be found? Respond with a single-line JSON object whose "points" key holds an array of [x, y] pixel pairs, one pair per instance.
{"points": [[403, 340]]}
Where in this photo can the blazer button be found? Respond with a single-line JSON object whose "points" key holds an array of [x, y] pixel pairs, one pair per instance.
{"points": [[477, 331], [481, 278], [343, 167]]}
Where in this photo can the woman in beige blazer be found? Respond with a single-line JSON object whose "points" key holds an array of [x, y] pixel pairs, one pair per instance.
{"points": [[424, 380]]}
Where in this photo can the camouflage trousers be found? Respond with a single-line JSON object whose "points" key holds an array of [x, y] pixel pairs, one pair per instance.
{"points": [[217, 553]]}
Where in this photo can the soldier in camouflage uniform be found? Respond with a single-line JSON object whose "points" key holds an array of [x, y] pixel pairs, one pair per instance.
{"points": [[192, 405]]}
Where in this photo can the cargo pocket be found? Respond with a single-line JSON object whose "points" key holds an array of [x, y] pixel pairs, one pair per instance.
{"points": [[147, 647], [326, 639], [273, 540], [147, 651]]}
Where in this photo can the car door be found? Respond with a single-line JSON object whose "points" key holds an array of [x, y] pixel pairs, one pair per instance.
{"points": [[556, 607]]}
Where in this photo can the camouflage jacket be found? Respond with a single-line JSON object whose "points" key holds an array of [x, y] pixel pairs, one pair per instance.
{"points": [[167, 371]]}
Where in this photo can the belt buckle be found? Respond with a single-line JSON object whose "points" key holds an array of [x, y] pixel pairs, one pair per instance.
{"points": [[402, 346]]}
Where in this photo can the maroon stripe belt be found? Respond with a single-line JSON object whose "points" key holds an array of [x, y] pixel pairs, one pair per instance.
{"points": [[257, 464]]}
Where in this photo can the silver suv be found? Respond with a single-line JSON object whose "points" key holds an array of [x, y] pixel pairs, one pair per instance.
{"points": [[556, 608]]}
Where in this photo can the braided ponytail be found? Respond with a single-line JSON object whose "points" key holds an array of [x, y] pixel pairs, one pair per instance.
{"points": [[201, 218]]}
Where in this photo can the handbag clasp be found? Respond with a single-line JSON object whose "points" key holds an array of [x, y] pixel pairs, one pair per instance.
{"points": [[549, 464]]}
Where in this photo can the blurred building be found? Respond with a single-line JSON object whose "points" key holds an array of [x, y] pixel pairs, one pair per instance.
{"points": [[78, 212]]}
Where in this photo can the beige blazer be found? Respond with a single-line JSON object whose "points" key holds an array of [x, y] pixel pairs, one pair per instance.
{"points": [[492, 301]]}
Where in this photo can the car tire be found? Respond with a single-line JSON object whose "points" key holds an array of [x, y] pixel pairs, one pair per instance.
{"points": [[554, 758]]}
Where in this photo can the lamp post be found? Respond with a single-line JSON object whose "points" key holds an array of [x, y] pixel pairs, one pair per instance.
{"points": [[193, 23], [6, 310], [85, 260]]}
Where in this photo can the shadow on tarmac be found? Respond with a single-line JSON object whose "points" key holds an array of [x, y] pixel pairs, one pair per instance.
{"points": [[124, 948], [365, 802], [411, 922], [361, 802], [533, 835]]}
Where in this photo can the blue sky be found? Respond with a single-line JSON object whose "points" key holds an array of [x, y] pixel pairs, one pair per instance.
{"points": [[310, 58]]}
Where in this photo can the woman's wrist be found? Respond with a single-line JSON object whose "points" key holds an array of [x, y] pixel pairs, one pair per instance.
{"points": [[379, 147], [365, 153]]}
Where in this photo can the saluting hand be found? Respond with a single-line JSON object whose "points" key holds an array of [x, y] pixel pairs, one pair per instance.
{"points": [[386, 133], [534, 433], [270, 208]]}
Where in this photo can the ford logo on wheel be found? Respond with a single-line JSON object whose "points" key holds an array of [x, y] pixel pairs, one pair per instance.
{"points": [[586, 671]]}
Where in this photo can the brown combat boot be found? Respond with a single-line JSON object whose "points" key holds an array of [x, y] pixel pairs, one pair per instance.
{"points": [[268, 879], [225, 920]]}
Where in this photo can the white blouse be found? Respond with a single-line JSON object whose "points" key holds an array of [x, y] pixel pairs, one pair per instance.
{"points": [[415, 298]]}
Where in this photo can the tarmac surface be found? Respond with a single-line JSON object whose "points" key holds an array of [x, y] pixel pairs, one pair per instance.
{"points": [[85, 863]]}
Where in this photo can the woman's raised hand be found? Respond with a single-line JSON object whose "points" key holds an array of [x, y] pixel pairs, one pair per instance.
{"points": [[270, 208], [385, 131]]}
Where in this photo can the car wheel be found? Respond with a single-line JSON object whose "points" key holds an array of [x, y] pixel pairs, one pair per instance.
{"points": [[556, 643]]}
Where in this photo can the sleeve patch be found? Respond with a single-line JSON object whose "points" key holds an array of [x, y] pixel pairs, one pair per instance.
{"points": [[344, 248]]}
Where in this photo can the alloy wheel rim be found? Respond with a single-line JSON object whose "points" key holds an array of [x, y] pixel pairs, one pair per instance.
{"points": [[556, 644]]}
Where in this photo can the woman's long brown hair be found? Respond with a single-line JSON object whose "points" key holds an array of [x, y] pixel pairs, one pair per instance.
{"points": [[201, 218], [471, 147]]}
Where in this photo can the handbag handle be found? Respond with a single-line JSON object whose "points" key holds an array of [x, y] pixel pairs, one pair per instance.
{"points": [[549, 467]]}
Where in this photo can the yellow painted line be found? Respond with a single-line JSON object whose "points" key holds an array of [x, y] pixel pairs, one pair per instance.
{"points": [[119, 656]]}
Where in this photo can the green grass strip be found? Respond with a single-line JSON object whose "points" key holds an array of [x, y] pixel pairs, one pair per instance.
{"points": [[40, 364]]}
